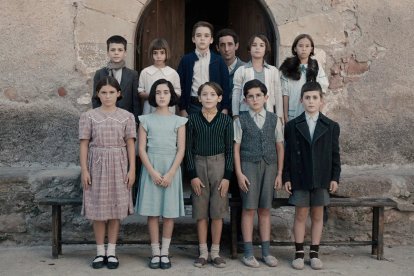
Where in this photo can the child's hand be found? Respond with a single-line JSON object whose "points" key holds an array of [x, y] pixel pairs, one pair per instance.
{"points": [[196, 184], [224, 187], [86, 180], [243, 182], [130, 181], [333, 186], [278, 182], [288, 187], [166, 180], [156, 178], [143, 95], [183, 113]]}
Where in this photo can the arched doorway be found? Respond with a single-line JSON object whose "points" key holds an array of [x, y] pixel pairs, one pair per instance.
{"points": [[173, 20]]}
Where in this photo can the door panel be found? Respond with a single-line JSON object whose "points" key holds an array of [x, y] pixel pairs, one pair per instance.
{"points": [[162, 18], [247, 18]]}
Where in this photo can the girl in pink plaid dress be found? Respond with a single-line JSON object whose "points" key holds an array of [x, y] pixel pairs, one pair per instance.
{"points": [[107, 158], [161, 141]]}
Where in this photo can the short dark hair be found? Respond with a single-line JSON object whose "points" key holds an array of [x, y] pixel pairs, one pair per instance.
{"points": [[254, 84], [202, 24], [151, 98], [227, 32], [296, 41], [311, 86], [265, 40], [212, 84], [159, 44], [116, 39], [107, 80]]}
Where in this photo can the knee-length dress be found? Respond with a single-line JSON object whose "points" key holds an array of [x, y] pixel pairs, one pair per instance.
{"points": [[154, 200], [108, 197]]}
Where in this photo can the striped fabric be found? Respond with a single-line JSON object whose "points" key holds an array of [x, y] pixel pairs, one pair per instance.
{"points": [[207, 139]]}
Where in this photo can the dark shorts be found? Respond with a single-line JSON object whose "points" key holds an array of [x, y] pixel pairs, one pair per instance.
{"points": [[262, 178], [210, 170], [309, 198]]}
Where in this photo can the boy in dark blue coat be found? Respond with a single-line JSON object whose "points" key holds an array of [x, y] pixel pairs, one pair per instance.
{"points": [[199, 67], [311, 168]]}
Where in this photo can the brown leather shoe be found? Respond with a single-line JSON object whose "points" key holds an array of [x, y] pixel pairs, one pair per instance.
{"points": [[200, 262], [219, 262]]}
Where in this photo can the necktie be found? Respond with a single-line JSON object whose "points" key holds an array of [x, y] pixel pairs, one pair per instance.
{"points": [[303, 68]]}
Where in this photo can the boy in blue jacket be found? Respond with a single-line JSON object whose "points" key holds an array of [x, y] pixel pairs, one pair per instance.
{"points": [[199, 67]]}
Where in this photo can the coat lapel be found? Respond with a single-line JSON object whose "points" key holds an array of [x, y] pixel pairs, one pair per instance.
{"points": [[124, 78], [320, 128], [303, 128]]}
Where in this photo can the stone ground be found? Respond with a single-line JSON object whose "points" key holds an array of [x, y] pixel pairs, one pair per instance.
{"points": [[37, 260]]}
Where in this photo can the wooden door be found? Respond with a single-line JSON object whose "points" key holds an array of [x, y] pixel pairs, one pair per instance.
{"points": [[174, 19], [248, 17], [161, 18]]}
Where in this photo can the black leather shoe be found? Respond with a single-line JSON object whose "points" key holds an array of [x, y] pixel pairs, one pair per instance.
{"points": [[99, 264], [154, 265], [165, 265], [112, 265]]}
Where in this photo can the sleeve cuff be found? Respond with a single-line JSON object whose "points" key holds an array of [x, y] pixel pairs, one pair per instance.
{"points": [[192, 174], [228, 174]]}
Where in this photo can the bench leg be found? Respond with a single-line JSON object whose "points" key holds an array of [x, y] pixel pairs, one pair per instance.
{"points": [[56, 231], [59, 233], [378, 232], [375, 215], [233, 225]]}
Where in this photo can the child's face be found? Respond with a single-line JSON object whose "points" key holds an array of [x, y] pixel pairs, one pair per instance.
{"points": [[202, 38], [227, 47], [159, 57], [209, 98], [303, 48], [116, 52], [255, 99], [108, 95], [162, 95], [312, 102], [258, 48]]}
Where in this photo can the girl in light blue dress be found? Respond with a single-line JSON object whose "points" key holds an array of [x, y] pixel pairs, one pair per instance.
{"points": [[161, 148]]}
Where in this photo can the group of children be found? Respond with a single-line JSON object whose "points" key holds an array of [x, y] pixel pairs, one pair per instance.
{"points": [[269, 141]]}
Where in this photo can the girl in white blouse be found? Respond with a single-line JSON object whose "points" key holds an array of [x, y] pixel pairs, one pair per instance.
{"points": [[159, 51]]}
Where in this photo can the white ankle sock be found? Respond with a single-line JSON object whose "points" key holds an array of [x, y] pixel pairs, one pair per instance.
{"points": [[155, 249], [215, 250], [165, 246], [100, 251], [203, 251], [111, 249]]}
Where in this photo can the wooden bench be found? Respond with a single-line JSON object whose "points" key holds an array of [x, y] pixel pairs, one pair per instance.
{"points": [[57, 239], [377, 205]]}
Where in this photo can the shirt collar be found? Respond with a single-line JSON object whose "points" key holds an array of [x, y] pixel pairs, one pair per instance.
{"points": [[205, 55], [250, 64], [233, 65], [165, 70], [314, 118], [262, 113]]}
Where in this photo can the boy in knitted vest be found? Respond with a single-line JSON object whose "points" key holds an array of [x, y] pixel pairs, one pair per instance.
{"points": [[258, 161]]}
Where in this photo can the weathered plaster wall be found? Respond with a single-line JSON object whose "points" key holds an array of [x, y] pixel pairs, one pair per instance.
{"points": [[53, 48]]}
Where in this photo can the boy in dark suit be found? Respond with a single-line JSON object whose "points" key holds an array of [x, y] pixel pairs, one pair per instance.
{"points": [[201, 66], [311, 167], [127, 78]]}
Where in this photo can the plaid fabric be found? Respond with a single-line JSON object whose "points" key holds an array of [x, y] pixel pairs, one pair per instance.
{"points": [[108, 197]]}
